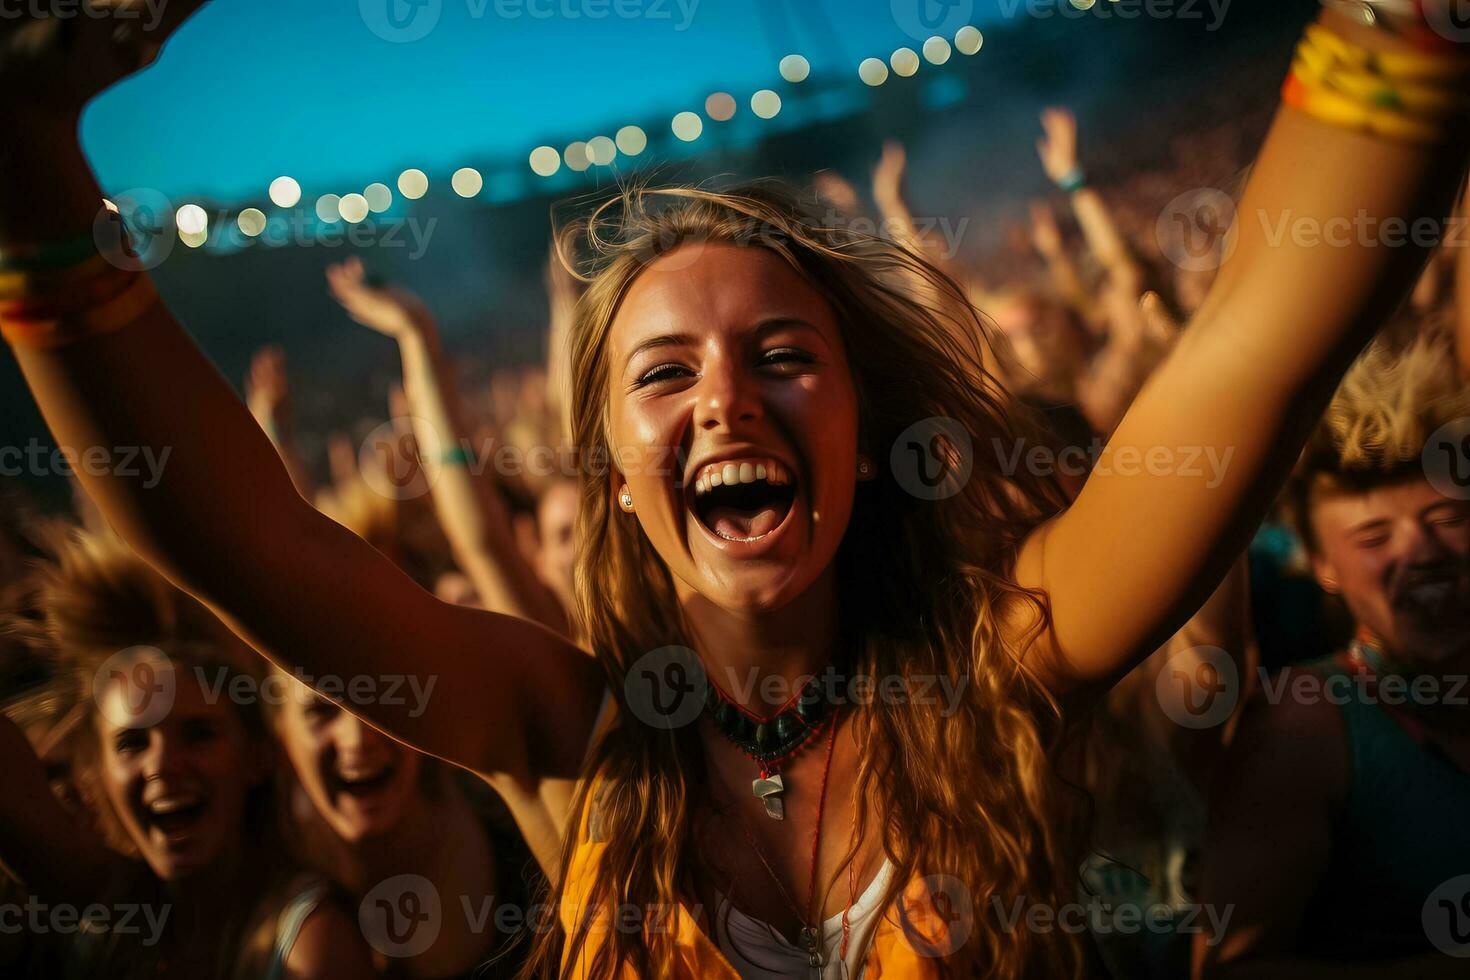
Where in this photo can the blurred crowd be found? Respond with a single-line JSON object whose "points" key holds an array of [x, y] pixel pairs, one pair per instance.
{"points": [[255, 819]]}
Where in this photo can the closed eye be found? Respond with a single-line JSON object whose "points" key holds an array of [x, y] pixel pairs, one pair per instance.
{"points": [[782, 356]]}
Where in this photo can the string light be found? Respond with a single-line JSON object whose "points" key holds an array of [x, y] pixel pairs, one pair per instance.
{"points": [[688, 126], [467, 182], [905, 62], [353, 208], [968, 40], [545, 161], [720, 107], [378, 197], [765, 104], [327, 207], [936, 49], [251, 222], [794, 68], [873, 72], [285, 192], [601, 150], [632, 140], [413, 184]]}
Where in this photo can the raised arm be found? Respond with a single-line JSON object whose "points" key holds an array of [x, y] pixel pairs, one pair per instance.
{"points": [[1059, 158], [268, 396], [474, 519], [1204, 448], [223, 520]]}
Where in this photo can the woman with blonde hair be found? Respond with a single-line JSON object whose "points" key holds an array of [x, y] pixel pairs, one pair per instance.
{"points": [[804, 474]]}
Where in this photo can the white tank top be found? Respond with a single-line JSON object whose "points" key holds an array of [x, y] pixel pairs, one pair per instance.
{"points": [[759, 952]]}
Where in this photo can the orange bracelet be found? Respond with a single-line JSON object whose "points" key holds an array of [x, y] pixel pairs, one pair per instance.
{"points": [[121, 310], [68, 299]]}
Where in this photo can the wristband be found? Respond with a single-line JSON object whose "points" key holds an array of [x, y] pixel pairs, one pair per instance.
{"points": [[1073, 180], [123, 309]]}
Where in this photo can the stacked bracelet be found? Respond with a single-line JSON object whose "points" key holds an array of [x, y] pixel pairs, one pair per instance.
{"points": [[1416, 98], [59, 292], [1073, 180]]}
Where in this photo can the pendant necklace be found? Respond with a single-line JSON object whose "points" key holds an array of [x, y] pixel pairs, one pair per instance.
{"points": [[771, 741], [810, 934]]}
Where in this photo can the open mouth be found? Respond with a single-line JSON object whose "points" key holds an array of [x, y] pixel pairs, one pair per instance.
{"points": [[743, 500], [363, 782], [176, 815]]}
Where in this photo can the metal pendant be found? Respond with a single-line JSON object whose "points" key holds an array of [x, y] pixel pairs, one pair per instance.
{"points": [[769, 789], [811, 941]]}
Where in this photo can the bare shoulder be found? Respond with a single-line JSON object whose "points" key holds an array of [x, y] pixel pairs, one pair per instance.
{"points": [[330, 944]]}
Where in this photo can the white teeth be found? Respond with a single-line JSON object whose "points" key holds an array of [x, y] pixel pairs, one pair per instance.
{"points": [[359, 775], [732, 473], [173, 804]]}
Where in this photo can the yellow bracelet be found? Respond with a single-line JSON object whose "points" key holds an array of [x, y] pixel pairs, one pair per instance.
{"points": [[1399, 65], [122, 310], [1318, 66], [1340, 110]]}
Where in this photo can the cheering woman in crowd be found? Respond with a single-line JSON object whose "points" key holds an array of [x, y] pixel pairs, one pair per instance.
{"points": [[790, 827], [180, 784]]}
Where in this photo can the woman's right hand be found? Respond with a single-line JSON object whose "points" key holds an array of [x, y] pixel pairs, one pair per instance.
{"points": [[389, 310]]}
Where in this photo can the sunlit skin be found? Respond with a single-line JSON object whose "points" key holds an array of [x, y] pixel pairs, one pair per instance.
{"points": [[359, 780], [753, 364], [1383, 549], [729, 351], [198, 754]]}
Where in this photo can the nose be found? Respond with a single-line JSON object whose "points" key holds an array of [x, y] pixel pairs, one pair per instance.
{"points": [[354, 740], [165, 755], [726, 396]]}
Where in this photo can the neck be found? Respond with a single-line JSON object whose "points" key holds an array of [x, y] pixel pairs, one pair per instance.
{"points": [[414, 844], [759, 659]]}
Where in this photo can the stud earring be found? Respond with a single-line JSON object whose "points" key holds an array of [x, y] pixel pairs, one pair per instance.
{"points": [[864, 466], [625, 500]]}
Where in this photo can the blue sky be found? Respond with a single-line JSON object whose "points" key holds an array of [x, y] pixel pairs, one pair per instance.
{"points": [[252, 89]]}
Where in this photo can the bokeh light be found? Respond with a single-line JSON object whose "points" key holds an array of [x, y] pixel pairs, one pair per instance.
{"points": [[601, 150], [285, 192], [545, 161], [873, 71], [968, 40], [576, 156], [251, 222], [327, 207], [905, 62], [936, 49], [413, 184], [765, 104], [720, 107], [379, 197], [795, 68], [632, 140], [353, 208], [467, 182], [687, 126], [192, 220]]}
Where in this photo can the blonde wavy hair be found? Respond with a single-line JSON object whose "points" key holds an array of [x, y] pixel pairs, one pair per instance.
{"points": [[1375, 429], [972, 796]]}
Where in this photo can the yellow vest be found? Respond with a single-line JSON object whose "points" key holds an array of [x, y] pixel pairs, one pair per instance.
{"points": [[910, 921]]}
